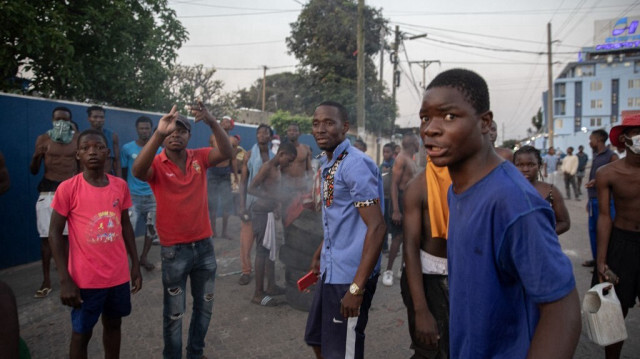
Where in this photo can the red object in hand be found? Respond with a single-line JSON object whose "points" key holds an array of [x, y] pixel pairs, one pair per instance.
{"points": [[308, 280]]}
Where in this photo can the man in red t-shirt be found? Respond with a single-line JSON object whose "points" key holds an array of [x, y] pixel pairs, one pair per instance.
{"points": [[178, 179]]}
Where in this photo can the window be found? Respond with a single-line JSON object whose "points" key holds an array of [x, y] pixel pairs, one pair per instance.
{"points": [[585, 71], [596, 122], [596, 85], [634, 84], [614, 119], [596, 103], [560, 107], [633, 102], [558, 123], [560, 90]]}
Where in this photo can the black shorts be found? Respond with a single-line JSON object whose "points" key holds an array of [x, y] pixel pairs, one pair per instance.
{"points": [[392, 228], [329, 330], [623, 258], [436, 291]]}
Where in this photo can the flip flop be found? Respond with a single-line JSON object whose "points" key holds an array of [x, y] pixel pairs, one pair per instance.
{"points": [[42, 293], [267, 301]]}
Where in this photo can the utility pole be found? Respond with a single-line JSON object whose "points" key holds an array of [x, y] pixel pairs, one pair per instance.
{"points": [[264, 87], [382, 35], [550, 91], [424, 64], [360, 68], [503, 133], [396, 73]]}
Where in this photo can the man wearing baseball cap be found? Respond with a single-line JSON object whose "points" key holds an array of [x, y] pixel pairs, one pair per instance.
{"points": [[177, 177], [619, 240]]}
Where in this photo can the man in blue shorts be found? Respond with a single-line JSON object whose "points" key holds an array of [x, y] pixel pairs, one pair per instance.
{"points": [[511, 289], [144, 203], [348, 260]]}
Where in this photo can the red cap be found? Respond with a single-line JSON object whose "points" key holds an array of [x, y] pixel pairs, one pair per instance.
{"points": [[629, 121]]}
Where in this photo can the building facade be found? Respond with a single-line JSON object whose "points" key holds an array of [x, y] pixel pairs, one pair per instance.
{"points": [[600, 88]]}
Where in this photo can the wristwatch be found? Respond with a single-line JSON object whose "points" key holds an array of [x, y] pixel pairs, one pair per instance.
{"points": [[355, 290]]}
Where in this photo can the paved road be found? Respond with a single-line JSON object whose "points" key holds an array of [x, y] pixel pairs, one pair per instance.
{"points": [[240, 329]]}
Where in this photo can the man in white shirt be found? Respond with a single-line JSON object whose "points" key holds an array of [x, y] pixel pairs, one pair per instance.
{"points": [[569, 168]]}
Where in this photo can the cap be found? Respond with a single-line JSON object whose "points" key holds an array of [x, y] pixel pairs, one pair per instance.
{"points": [[233, 123], [184, 122], [238, 138], [628, 121]]}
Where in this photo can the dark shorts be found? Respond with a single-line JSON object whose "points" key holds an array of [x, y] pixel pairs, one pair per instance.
{"points": [[259, 220], [329, 330], [392, 228], [113, 302], [623, 258], [219, 190], [436, 291]]}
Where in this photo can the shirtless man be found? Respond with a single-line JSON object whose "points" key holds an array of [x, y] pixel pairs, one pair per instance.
{"points": [[505, 153], [404, 169], [619, 240], [300, 172], [96, 120], [266, 186], [57, 148], [424, 284], [219, 183], [253, 160]]}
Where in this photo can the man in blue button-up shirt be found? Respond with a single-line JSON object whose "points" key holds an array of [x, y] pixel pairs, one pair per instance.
{"points": [[349, 257]]}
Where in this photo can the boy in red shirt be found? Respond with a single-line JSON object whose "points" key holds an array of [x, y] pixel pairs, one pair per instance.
{"points": [[96, 281]]}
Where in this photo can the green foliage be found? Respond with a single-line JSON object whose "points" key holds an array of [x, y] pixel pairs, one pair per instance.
{"points": [[509, 144], [283, 91], [116, 52], [282, 119], [536, 120], [324, 40], [188, 84]]}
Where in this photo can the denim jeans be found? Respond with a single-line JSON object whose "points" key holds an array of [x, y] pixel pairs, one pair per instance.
{"points": [[198, 261], [142, 213]]}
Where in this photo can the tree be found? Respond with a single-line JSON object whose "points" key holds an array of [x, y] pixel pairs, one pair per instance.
{"points": [[323, 39], [188, 84], [509, 143], [281, 120], [536, 120], [283, 91], [116, 52]]}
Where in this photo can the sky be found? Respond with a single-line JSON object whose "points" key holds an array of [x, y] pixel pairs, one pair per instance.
{"points": [[505, 41]]}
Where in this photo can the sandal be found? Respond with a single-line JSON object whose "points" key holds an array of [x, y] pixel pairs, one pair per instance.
{"points": [[42, 293], [266, 301]]}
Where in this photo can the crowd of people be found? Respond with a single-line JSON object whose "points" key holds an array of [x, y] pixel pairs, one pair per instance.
{"points": [[482, 274]]}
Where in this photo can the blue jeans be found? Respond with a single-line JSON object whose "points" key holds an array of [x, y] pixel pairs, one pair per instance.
{"points": [[197, 260], [593, 222], [142, 213]]}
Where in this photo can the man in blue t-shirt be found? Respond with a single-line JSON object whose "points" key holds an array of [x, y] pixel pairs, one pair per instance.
{"points": [[511, 289], [144, 204]]}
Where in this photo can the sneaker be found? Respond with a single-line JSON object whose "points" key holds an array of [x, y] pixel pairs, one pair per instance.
{"points": [[399, 274], [387, 278]]}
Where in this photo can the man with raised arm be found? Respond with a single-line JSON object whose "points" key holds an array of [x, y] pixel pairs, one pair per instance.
{"points": [[178, 179]]}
